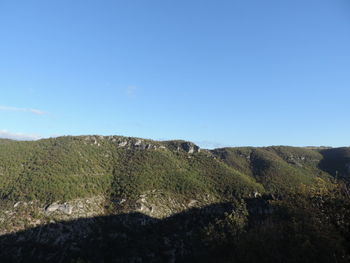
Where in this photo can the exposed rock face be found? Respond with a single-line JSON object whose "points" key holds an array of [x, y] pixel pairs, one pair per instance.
{"points": [[192, 203], [141, 207], [179, 146], [257, 195], [143, 144], [19, 216], [123, 144], [155, 204], [189, 147], [296, 160], [64, 208]]}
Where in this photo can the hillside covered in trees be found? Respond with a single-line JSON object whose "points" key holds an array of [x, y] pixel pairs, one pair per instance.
{"points": [[122, 199]]}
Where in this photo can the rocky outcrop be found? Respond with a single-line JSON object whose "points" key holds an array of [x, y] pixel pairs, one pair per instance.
{"points": [[190, 147], [63, 208], [155, 204], [143, 144], [21, 215], [123, 144], [182, 146]]}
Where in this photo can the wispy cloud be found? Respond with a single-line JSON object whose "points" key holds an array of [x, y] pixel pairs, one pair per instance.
{"points": [[34, 111], [18, 136], [131, 91]]}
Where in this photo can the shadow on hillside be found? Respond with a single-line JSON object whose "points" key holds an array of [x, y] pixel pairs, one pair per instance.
{"points": [[336, 162], [209, 234], [132, 237]]}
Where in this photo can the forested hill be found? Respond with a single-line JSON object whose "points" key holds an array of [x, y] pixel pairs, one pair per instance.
{"points": [[240, 194], [72, 167]]}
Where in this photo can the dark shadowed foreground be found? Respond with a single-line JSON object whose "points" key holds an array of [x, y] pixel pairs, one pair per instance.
{"points": [[252, 230]]}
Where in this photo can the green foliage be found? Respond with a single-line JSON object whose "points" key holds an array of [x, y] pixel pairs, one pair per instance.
{"points": [[279, 169], [225, 231], [176, 173], [53, 169], [310, 226], [304, 211], [72, 167]]}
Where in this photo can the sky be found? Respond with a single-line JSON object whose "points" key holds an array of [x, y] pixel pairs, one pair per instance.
{"points": [[215, 72]]}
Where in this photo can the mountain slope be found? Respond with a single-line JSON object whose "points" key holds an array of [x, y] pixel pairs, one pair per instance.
{"points": [[245, 203], [280, 169], [69, 167], [73, 167]]}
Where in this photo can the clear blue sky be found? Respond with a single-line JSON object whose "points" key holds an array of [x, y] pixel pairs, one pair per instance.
{"points": [[223, 72]]}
